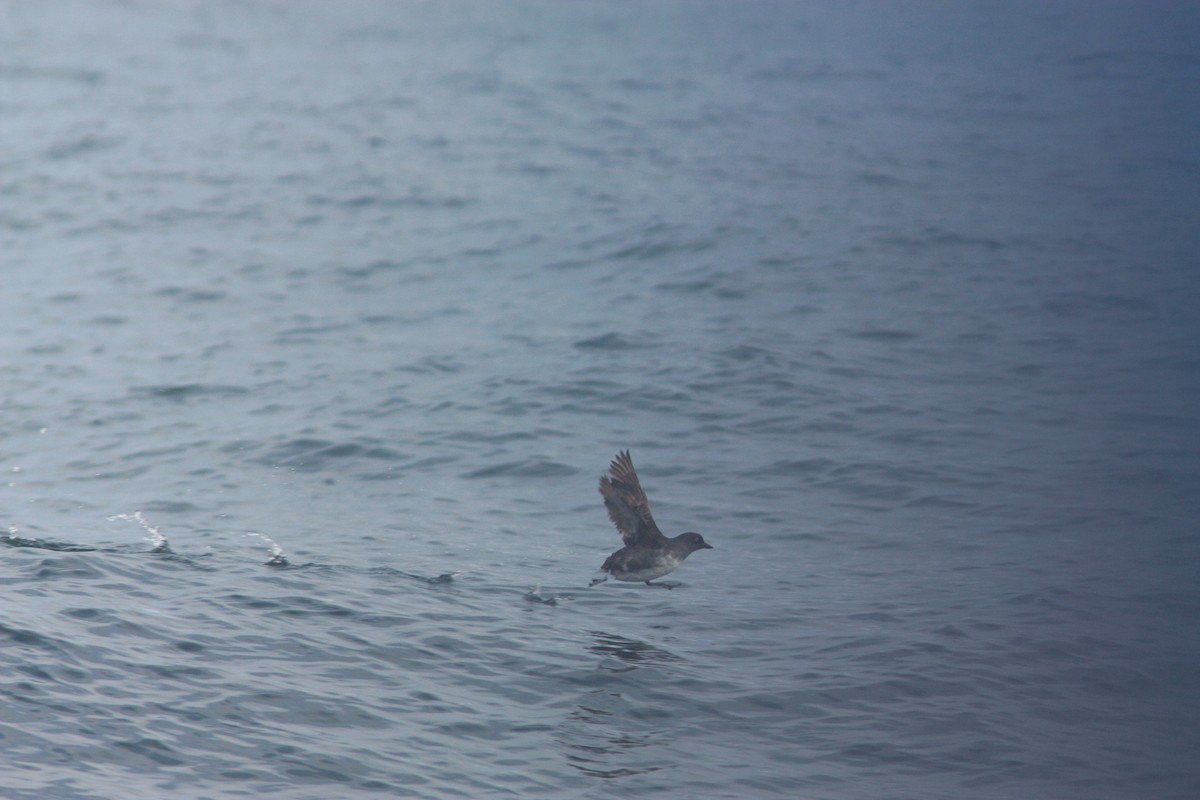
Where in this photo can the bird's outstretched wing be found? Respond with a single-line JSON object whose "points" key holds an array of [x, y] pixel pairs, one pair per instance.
{"points": [[627, 505]]}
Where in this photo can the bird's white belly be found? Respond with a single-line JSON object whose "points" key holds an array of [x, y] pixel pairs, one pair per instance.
{"points": [[638, 576]]}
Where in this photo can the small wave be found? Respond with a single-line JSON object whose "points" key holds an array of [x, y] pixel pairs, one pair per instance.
{"points": [[89, 77], [884, 335], [78, 147], [531, 468], [415, 199], [13, 540], [308, 455], [190, 295], [188, 391], [441, 579], [655, 250], [799, 467], [610, 341], [371, 269]]}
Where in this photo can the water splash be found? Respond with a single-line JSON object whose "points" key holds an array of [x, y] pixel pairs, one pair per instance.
{"points": [[158, 541], [536, 596], [278, 557]]}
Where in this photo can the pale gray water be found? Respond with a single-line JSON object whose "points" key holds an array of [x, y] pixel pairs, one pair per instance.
{"points": [[895, 303]]}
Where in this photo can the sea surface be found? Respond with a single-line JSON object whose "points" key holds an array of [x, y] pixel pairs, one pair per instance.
{"points": [[320, 321]]}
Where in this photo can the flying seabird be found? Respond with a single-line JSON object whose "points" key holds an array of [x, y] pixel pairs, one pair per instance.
{"points": [[647, 554]]}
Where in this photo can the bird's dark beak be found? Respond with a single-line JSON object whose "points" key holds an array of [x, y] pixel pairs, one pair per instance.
{"points": [[706, 546]]}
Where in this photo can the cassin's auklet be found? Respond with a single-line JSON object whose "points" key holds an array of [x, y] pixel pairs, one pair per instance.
{"points": [[647, 554]]}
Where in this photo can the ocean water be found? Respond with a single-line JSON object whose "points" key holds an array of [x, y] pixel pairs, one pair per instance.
{"points": [[320, 322]]}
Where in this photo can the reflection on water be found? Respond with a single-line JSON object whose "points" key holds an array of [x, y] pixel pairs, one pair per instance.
{"points": [[596, 744], [631, 651], [605, 735]]}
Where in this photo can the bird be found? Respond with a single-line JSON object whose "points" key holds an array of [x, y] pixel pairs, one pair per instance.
{"points": [[647, 554]]}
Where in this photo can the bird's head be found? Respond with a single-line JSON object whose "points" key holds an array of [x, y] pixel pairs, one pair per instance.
{"points": [[694, 541]]}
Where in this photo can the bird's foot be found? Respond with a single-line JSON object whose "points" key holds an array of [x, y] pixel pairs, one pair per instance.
{"points": [[664, 584]]}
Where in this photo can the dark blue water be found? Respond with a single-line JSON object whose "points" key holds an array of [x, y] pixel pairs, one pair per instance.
{"points": [[320, 322]]}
